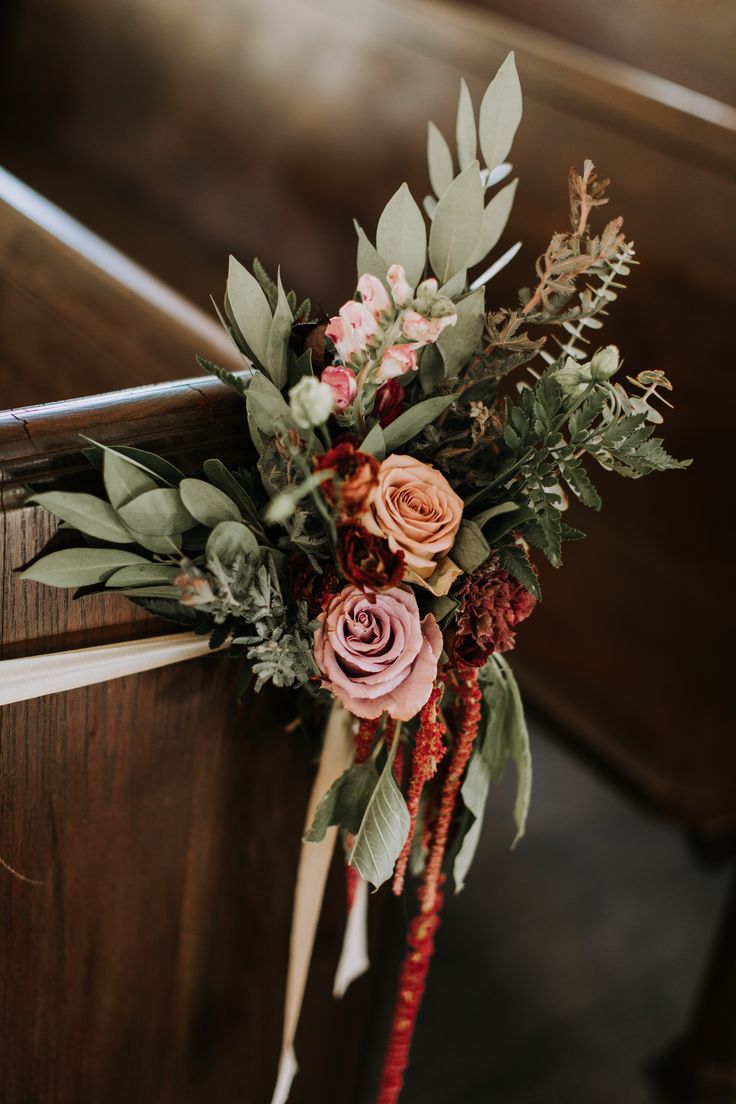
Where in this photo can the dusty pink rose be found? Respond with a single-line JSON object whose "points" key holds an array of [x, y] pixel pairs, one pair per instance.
{"points": [[374, 652], [343, 385], [416, 327], [397, 360], [401, 289], [416, 510], [374, 295], [351, 329]]}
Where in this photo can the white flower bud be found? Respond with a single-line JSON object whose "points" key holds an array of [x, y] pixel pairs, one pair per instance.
{"points": [[604, 364], [311, 402]]}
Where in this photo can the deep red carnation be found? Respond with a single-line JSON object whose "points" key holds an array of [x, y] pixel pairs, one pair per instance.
{"points": [[365, 559], [389, 402], [492, 603], [356, 477], [310, 586]]}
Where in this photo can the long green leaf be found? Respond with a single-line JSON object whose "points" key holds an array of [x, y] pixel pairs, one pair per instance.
{"points": [[458, 343], [500, 114], [465, 132], [439, 160], [456, 224], [158, 513], [383, 829], [87, 513], [413, 421], [495, 217], [250, 309], [345, 802], [124, 480], [206, 503], [402, 235], [278, 339], [76, 567]]}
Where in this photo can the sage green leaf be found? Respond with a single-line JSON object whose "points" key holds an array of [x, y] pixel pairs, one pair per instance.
{"points": [[456, 224], [168, 545], [413, 420], [345, 802], [465, 132], [267, 410], [375, 442], [220, 477], [231, 539], [431, 369], [278, 339], [149, 462], [439, 160], [369, 259], [85, 512], [166, 592], [206, 503], [143, 574], [124, 480], [495, 217], [455, 286], [383, 829], [250, 309], [500, 114], [471, 548], [474, 793], [158, 513], [402, 236], [458, 343], [494, 511], [520, 751], [75, 567]]}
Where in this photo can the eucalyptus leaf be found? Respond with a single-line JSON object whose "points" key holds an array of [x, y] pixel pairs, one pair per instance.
{"points": [[143, 574], [458, 343], [465, 132], [278, 339], [369, 259], [414, 420], [220, 477], [439, 160], [456, 224], [431, 369], [375, 442], [87, 513], [495, 217], [455, 286], [168, 545], [345, 802], [149, 462], [520, 751], [500, 114], [474, 793], [402, 236], [206, 503], [158, 513], [76, 567], [230, 539], [250, 309], [124, 480], [267, 409], [384, 828], [471, 548]]}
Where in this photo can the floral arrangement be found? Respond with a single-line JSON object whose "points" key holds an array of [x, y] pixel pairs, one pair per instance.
{"points": [[415, 456]]}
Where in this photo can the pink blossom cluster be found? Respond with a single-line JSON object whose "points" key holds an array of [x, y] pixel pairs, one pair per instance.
{"points": [[383, 332]]}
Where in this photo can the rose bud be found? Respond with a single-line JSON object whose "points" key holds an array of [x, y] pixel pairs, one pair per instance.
{"points": [[343, 384], [389, 402], [397, 361]]}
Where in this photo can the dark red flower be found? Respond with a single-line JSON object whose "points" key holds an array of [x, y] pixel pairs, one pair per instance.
{"points": [[355, 477], [492, 603], [365, 559], [389, 402], [310, 586]]}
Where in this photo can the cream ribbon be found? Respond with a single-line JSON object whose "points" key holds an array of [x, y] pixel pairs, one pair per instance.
{"points": [[32, 677]]}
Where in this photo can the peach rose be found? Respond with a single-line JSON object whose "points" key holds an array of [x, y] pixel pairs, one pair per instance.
{"points": [[416, 510], [374, 295], [374, 652], [397, 360]]}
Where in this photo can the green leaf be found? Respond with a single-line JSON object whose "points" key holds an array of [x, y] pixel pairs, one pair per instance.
{"points": [[413, 420], [267, 410], [220, 477], [465, 132], [495, 511], [231, 539], [519, 749], [168, 545], [250, 309], [374, 442], [471, 548], [458, 343], [369, 259], [383, 829], [238, 383], [87, 513], [345, 802], [278, 339], [439, 160], [76, 567], [431, 369], [455, 286], [149, 462], [474, 793], [495, 217], [206, 503], [143, 574], [158, 513], [270, 289], [402, 236], [124, 480], [500, 114], [456, 224], [515, 562]]}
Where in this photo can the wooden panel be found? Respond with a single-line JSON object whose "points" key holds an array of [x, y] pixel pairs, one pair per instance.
{"points": [[161, 822]]}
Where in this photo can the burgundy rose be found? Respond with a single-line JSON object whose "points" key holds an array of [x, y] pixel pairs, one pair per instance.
{"points": [[355, 473], [375, 654], [389, 402], [310, 586], [492, 604], [365, 559]]}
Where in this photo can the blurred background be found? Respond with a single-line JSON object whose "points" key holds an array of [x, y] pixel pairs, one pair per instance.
{"points": [[181, 131]]}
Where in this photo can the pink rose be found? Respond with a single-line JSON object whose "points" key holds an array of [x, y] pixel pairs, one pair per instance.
{"points": [[374, 652], [416, 510], [374, 295], [397, 360], [401, 289], [351, 329], [343, 385], [416, 327]]}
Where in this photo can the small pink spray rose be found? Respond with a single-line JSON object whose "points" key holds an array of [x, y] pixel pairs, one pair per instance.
{"points": [[401, 289], [343, 383], [351, 329], [374, 295], [396, 361], [416, 327]]}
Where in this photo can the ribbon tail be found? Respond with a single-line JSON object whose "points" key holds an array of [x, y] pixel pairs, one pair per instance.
{"points": [[354, 959], [314, 865]]}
